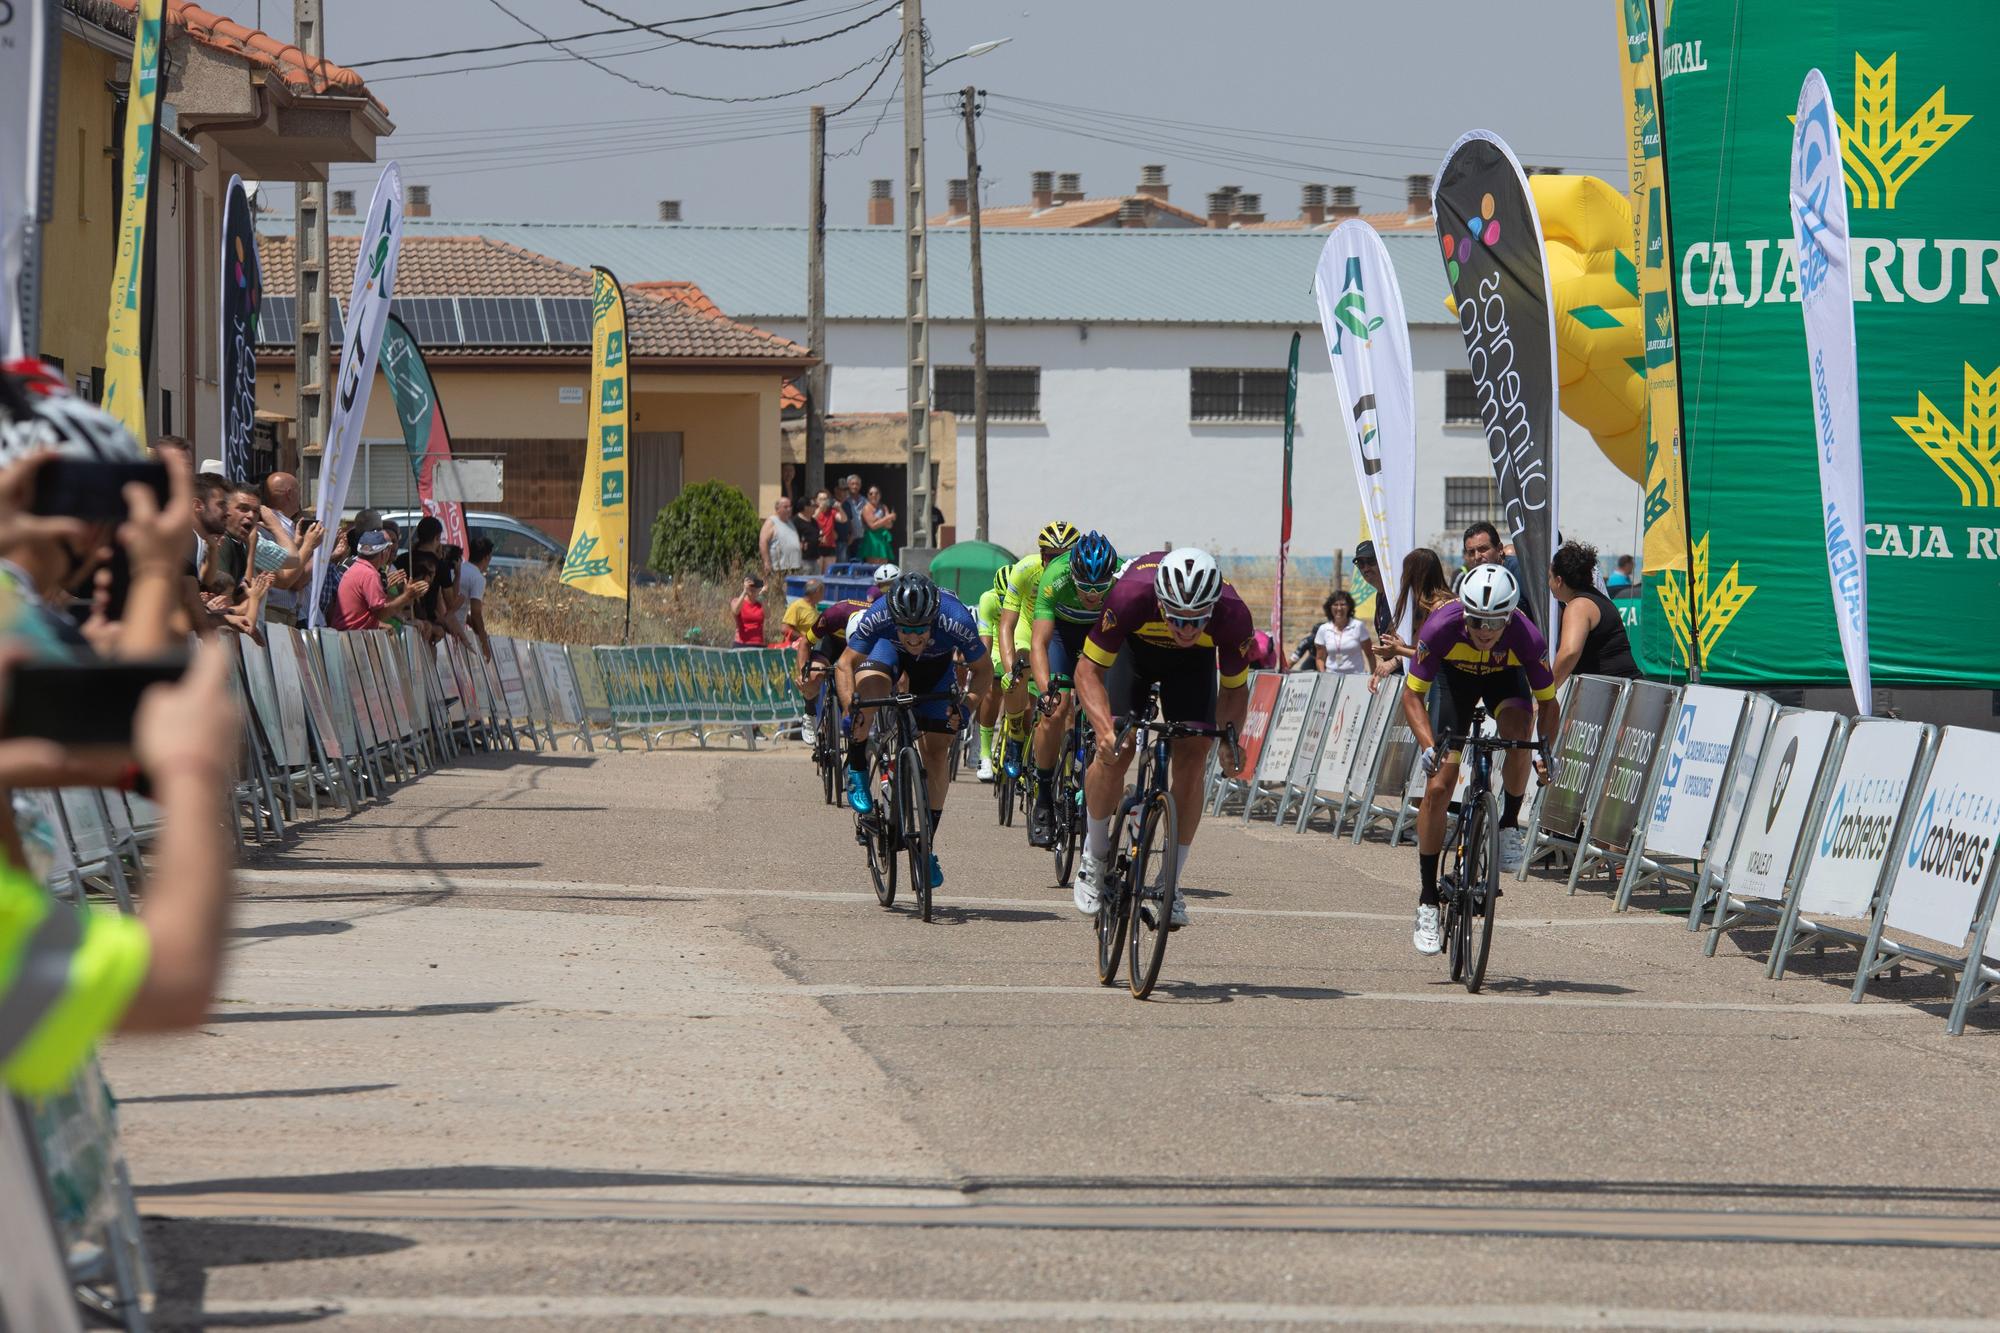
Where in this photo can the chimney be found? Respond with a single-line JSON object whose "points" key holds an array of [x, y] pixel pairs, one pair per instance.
{"points": [[1420, 196], [1312, 204], [1153, 182], [1218, 208], [959, 205], [1341, 202], [1249, 208], [343, 203], [418, 204], [1069, 187], [881, 204], [1132, 213], [1045, 188], [670, 210], [1545, 171]]}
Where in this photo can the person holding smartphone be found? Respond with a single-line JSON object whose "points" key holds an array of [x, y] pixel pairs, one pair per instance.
{"points": [[362, 602]]}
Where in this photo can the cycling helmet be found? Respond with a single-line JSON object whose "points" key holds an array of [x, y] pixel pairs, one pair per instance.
{"points": [[913, 601], [886, 575], [1000, 581], [1187, 582], [1489, 592], [1058, 537], [1093, 562], [37, 413]]}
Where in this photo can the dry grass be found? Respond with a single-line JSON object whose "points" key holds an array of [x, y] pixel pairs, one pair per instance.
{"points": [[538, 606]]}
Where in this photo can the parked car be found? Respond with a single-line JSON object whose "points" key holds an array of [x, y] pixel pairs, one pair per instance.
{"points": [[517, 547]]}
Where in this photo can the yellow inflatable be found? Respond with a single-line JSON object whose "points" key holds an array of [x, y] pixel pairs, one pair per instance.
{"points": [[1600, 354]]}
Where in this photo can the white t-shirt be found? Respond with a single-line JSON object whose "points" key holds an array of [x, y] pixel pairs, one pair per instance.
{"points": [[471, 586], [1343, 646]]}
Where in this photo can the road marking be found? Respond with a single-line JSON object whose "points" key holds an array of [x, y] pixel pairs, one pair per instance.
{"points": [[1561, 1223], [868, 1310], [421, 883]]}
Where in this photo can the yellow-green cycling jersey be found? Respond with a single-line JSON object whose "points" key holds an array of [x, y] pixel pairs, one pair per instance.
{"points": [[986, 615], [1024, 582], [66, 975]]}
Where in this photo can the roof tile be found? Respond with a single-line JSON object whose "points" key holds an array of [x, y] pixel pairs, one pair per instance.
{"points": [[301, 73]]}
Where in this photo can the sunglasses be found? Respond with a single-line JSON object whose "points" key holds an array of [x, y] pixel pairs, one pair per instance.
{"points": [[1093, 589], [1485, 623], [913, 631], [1187, 622]]}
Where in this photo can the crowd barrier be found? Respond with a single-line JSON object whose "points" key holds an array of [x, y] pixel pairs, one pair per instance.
{"points": [[1878, 834], [662, 690]]}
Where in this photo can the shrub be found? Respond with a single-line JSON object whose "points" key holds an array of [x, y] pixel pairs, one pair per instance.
{"points": [[709, 530]]}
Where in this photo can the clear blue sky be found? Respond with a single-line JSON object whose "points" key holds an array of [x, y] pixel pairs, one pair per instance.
{"points": [[1265, 94]]}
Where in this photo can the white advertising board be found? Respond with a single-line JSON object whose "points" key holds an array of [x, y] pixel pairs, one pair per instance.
{"points": [[1343, 736], [1312, 736], [1780, 800], [1387, 713], [1945, 856], [1691, 784], [1750, 749], [1855, 835], [1288, 719]]}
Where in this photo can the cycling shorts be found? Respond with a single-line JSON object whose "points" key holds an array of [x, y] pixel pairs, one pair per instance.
{"points": [[1065, 648], [1186, 677], [1500, 689], [827, 651], [926, 674]]}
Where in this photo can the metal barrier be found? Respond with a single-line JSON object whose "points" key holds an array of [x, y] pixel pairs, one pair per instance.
{"points": [[663, 690], [1799, 756]]}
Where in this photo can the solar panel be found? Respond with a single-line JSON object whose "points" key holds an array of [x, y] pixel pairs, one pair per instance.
{"points": [[277, 322], [501, 321], [568, 320], [432, 320]]}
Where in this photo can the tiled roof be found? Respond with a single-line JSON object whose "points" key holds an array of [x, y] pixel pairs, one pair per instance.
{"points": [[1076, 213], [674, 289], [657, 326], [303, 74], [1137, 275]]}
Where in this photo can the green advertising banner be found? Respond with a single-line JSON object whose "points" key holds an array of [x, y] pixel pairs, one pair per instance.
{"points": [[1920, 112]]}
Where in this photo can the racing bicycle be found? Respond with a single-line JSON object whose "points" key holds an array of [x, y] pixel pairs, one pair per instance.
{"points": [[899, 819], [1469, 892]]}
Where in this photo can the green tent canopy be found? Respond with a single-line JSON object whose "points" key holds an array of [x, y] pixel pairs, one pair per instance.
{"points": [[966, 568]]}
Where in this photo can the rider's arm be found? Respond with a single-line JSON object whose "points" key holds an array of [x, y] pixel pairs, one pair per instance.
{"points": [[1578, 620], [1095, 698], [804, 654], [1232, 705], [1039, 650], [1003, 639], [843, 676], [982, 677], [1419, 718]]}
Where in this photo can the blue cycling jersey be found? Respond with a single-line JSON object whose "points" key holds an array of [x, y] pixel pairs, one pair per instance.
{"points": [[954, 631]]}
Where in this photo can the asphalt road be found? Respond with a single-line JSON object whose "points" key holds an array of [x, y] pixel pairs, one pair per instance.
{"points": [[618, 1042]]}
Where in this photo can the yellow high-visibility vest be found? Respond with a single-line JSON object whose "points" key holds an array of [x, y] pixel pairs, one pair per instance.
{"points": [[66, 976]]}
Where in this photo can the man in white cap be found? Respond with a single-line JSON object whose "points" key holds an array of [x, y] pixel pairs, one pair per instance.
{"points": [[361, 603]]}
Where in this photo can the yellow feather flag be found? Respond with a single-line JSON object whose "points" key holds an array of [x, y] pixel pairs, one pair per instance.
{"points": [[124, 369], [601, 539]]}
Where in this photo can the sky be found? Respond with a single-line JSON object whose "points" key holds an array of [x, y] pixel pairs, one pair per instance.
{"points": [[1262, 94]]}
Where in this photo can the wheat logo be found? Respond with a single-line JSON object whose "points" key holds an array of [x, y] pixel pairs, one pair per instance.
{"points": [[1880, 154], [1969, 451], [1718, 606]]}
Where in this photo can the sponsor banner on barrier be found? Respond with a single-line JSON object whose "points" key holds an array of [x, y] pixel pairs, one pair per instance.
{"points": [[1288, 720], [1857, 833], [1312, 735], [1579, 742], [1396, 755], [1946, 854], [1344, 728], [1780, 799], [1387, 712], [1759, 710], [1696, 759], [1256, 723], [1649, 710]]}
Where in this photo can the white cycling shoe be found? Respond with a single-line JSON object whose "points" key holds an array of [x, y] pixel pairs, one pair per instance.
{"points": [[1428, 937], [1088, 887], [1513, 844], [986, 768], [808, 732], [1178, 917]]}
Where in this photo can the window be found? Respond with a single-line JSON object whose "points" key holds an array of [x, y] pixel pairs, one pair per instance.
{"points": [[1236, 395], [1469, 499], [1013, 393], [509, 543], [1461, 399]]}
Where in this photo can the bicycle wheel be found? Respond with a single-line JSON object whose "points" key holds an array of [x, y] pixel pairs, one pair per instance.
{"points": [[1113, 914], [1003, 792], [1481, 892], [1151, 892], [879, 838], [1067, 823], [914, 803]]}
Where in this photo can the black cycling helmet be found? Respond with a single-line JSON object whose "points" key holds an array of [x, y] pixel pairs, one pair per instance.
{"points": [[913, 601], [1093, 561]]}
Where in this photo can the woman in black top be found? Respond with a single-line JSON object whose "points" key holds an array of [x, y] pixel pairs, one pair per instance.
{"points": [[1593, 639]]}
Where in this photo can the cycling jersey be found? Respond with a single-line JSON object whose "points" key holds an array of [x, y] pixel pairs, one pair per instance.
{"points": [[828, 635], [1132, 611], [987, 615], [1024, 583], [1057, 598], [1442, 644], [952, 632]]}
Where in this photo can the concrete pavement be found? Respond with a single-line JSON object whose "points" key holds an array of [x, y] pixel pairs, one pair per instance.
{"points": [[623, 1041]]}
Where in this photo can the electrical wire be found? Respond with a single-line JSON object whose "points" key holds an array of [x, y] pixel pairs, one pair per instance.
{"points": [[633, 25], [546, 40]]}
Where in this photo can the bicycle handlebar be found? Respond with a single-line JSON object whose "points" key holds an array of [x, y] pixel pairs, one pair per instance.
{"points": [[1451, 742], [906, 700]]}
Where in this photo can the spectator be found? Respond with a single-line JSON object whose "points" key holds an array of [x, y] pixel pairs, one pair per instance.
{"points": [[1263, 655], [425, 616], [748, 609], [852, 503], [1484, 547], [778, 542], [1593, 640], [1371, 573], [265, 553], [283, 518], [1342, 644], [802, 611], [825, 517], [843, 528], [807, 528], [879, 522], [472, 587], [362, 602], [1624, 579], [1425, 588], [166, 446], [393, 531]]}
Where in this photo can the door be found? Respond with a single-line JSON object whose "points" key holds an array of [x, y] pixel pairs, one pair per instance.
{"points": [[655, 481]]}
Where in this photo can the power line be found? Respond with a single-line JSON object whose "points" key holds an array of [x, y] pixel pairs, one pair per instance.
{"points": [[546, 40]]}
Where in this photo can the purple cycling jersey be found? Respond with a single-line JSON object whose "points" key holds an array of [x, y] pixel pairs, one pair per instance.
{"points": [[1132, 610], [1443, 643]]}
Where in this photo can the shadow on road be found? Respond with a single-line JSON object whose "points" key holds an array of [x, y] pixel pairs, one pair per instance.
{"points": [[281, 929], [344, 1090], [314, 1015], [183, 1253]]}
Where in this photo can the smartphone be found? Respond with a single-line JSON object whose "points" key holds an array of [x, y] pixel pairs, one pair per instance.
{"points": [[71, 488], [81, 703]]}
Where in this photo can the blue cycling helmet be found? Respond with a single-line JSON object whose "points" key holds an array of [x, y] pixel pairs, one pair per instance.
{"points": [[1093, 562]]}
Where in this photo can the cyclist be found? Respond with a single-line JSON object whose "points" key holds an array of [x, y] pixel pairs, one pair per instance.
{"points": [[919, 632], [1067, 604], [826, 638], [1017, 612], [1486, 650], [987, 614], [1169, 620]]}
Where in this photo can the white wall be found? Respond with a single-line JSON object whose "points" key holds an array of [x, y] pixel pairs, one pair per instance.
{"points": [[1115, 448]]}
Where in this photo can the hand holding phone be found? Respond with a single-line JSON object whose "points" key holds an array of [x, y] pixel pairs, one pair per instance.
{"points": [[81, 703]]}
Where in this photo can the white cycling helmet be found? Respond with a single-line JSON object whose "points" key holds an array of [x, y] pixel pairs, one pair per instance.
{"points": [[1187, 582], [886, 575], [1489, 592]]}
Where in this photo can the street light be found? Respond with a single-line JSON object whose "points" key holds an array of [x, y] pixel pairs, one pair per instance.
{"points": [[976, 49]]}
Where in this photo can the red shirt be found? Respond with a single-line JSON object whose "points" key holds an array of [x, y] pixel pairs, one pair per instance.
{"points": [[359, 603], [750, 622], [826, 533]]}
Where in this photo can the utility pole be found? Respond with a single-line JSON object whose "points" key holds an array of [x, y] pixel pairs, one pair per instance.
{"points": [[917, 321], [816, 378], [313, 406], [971, 96]]}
